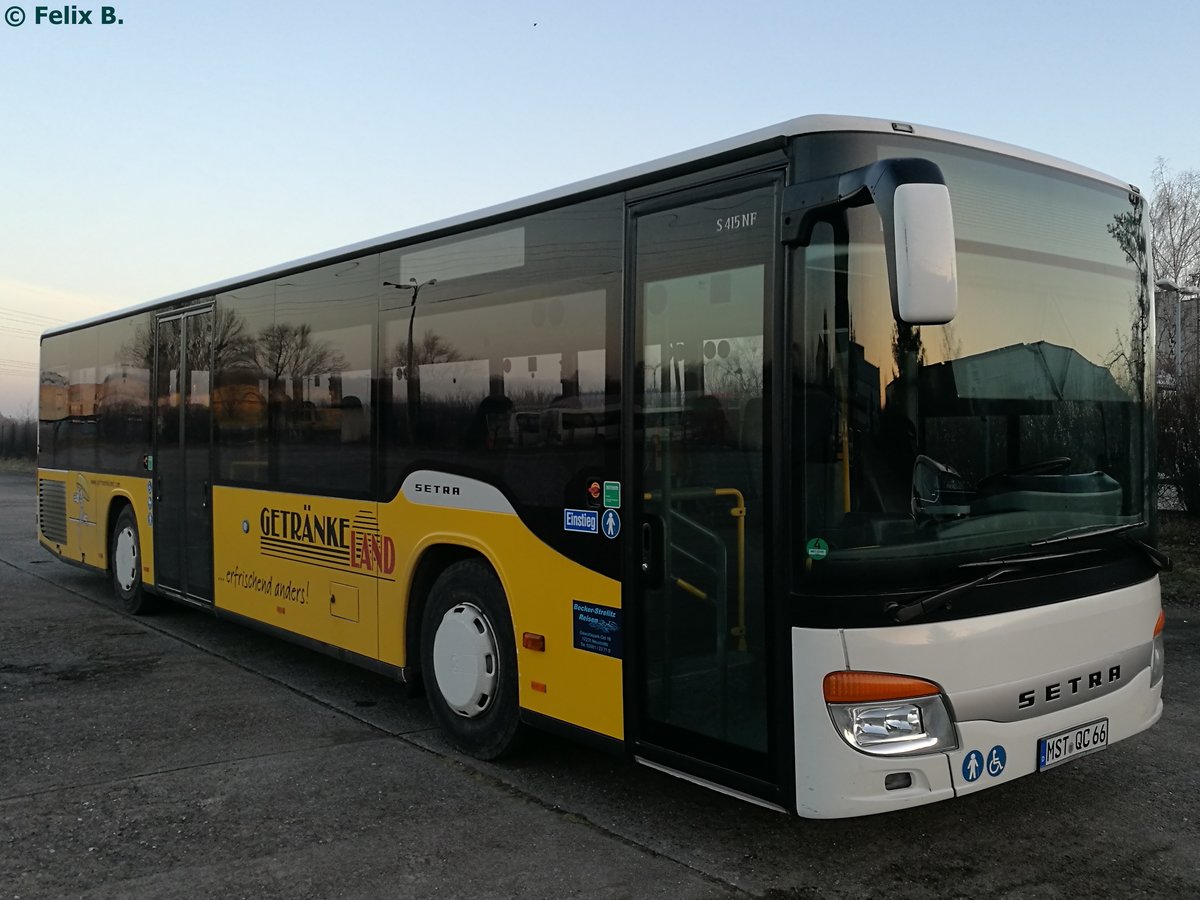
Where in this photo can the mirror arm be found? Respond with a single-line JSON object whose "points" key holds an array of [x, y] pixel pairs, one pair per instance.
{"points": [[811, 202], [804, 204]]}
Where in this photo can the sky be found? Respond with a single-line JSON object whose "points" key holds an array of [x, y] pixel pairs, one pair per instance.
{"points": [[186, 143]]}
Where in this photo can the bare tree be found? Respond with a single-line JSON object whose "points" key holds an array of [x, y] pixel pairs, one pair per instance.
{"points": [[1128, 231], [1175, 220], [290, 351], [428, 349]]}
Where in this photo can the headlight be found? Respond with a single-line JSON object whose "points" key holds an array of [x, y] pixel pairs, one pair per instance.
{"points": [[918, 725], [889, 715]]}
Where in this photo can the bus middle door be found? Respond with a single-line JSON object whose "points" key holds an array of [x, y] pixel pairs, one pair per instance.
{"points": [[183, 455]]}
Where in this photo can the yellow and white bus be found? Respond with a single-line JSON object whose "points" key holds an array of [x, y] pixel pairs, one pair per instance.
{"points": [[815, 465]]}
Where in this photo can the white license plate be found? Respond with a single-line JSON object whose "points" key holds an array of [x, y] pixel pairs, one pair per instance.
{"points": [[1072, 743]]}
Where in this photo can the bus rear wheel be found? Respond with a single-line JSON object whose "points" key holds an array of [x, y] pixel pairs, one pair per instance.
{"points": [[468, 661], [125, 561]]}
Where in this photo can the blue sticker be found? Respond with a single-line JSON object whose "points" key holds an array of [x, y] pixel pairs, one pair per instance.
{"points": [[975, 763], [586, 521], [972, 766], [996, 760], [611, 523], [597, 629]]}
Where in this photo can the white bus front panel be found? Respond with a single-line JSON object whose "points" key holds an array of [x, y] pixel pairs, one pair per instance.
{"points": [[1011, 680]]}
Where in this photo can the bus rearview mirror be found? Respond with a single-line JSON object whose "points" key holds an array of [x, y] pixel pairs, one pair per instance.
{"points": [[924, 275]]}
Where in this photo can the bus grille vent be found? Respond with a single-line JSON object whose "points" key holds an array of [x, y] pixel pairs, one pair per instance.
{"points": [[52, 510]]}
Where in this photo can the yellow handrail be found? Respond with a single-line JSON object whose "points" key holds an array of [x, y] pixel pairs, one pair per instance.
{"points": [[739, 513]]}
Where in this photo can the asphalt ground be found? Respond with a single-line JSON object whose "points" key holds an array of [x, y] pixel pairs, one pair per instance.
{"points": [[181, 756]]}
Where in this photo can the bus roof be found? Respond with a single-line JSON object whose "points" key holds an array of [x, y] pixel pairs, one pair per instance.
{"points": [[759, 139]]}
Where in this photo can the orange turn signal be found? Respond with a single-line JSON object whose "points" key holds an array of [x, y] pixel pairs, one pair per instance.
{"points": [[871, 687], [1160, 624], [531, 641]]}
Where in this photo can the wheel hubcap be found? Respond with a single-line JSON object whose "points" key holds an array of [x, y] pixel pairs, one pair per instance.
{"points": [[465, 660], [125, 562]]}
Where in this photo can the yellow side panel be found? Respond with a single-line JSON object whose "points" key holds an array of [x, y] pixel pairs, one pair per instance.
{"points": [[89, 500], [338, 571], [581, 687], [314, 566]]}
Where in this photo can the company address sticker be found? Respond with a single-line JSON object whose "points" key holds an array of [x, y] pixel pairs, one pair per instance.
{"points": [[597, 629]]}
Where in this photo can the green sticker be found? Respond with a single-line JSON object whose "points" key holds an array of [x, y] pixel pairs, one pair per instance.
{"points": [[612, 495], [817, 549]]}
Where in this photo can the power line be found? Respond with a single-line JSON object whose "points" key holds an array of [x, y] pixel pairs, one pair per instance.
{"points": [[21, 331], [25, 314], [11, 323]]}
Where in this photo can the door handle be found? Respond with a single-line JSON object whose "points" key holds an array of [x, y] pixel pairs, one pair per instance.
{"points": [[653, 551]]}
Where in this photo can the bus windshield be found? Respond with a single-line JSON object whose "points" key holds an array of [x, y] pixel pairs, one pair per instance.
{"points": [[920, 451]]}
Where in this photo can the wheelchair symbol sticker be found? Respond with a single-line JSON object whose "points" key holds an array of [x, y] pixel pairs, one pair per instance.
{"points": [[996, 760]]}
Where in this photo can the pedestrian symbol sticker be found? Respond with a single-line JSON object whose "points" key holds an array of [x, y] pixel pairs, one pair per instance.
{"points": [[972, 766], [610, 523], [996, 760]]}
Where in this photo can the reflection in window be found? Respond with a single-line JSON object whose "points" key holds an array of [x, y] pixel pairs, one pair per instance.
{"points": [[491, 362], [925, 446], [484, 385], [507, 372], [241, 383], [53, 388], [81, 401], [699, 461], [318, 358], [465, 257], [126, 359], [294, 379]]}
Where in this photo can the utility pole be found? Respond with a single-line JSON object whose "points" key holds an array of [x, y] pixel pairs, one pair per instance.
{"points": [[1181, 294], [412, 380]]}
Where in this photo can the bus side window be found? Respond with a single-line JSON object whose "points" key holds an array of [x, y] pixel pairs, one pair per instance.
{"points": [[508, 376]]}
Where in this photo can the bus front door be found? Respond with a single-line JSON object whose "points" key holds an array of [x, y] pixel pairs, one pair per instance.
{"points": [[182, 455], [700, 694]]}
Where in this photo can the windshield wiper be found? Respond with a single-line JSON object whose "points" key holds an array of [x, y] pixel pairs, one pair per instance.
{"points": [[1006, 565], [1158, 559], [1084, 532], [909, 611], [1024, 558]]}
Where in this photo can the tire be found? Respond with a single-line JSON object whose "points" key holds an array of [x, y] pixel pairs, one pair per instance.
{"points": [[125, 563], [468, 661]]}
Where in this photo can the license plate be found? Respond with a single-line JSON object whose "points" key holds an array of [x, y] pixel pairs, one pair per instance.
{"points": [[1072, 743]]}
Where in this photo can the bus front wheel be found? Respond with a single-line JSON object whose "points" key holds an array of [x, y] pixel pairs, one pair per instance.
{"points": [[468, 660], [125, 560]]}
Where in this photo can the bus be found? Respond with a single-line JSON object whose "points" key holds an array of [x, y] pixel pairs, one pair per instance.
{"points": [[815, 466]]}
